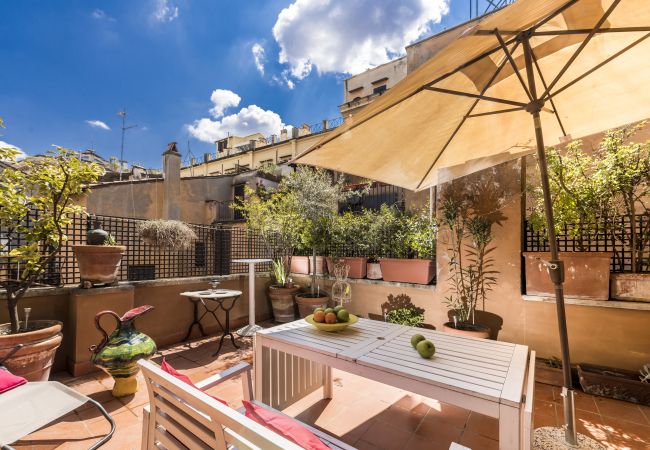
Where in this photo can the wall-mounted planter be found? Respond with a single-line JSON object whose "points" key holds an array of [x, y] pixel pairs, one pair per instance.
{"points": [[300, 264], [356, 264], [373, 271], [614, 383], [586, 274], [321, 265], [634, 287], [418, 271]]}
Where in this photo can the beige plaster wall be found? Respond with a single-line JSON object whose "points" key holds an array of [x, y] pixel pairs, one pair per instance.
{"points": [[138, 200]]}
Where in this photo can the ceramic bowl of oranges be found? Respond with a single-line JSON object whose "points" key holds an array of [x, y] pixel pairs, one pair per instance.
{"points": [[331, 319]]}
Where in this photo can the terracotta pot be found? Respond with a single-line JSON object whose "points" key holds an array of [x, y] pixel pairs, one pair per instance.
{"points": [[614, 383], [418, 271], [307, 304], [357, 265], [300, 264], [321, 265], [98, 263], [467, 330], [373, 271], [586, 274], [282, 302], [33, 361], [634, 287]]}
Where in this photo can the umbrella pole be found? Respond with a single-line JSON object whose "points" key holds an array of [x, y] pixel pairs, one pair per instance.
{"points": [[555, 266]]}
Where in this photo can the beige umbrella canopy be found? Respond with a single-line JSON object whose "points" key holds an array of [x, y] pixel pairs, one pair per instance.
{"points": [[419, 133], [576, 67]]}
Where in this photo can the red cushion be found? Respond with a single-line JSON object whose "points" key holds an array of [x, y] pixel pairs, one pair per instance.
{"points": [[284, 426], [9, 381], [184, 378]]}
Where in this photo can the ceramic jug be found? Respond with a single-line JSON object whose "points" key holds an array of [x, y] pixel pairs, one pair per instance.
{"points": [[118, 353]]}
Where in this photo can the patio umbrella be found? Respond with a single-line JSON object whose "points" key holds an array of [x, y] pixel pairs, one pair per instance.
{"points": [[576, 67]]}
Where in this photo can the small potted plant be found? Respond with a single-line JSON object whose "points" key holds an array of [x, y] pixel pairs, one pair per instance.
{"points": [[100, 259], [281, 292], [405, 316], [44, 191]]}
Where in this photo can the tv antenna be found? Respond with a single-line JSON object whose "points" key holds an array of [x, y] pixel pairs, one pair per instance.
{"points": [[122, 114]]}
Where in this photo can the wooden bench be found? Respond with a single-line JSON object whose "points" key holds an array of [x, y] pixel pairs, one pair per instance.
{"points": [[181, 417]]}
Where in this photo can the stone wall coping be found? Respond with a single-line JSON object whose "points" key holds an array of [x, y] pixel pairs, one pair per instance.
{"points": [[372, 282], [640, 306], [128, 285]]}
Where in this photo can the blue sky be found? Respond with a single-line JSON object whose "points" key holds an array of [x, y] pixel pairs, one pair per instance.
{"points": [[69, 63]]}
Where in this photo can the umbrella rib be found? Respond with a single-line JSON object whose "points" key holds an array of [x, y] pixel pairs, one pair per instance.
{"points": [[591, 34], [566, 32], [512, 63], [501, 111], [599, 65], [465, 117], [477, 96], [550, 97]]}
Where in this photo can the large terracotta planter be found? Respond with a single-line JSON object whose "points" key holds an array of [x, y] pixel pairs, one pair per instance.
{"points": [[467, 330], [33, 361], [307, 304], [586, 274], [418, 271], [633, 287], [356, 264], [98, 263], [300, 264], [374, 271], [282, 302]]}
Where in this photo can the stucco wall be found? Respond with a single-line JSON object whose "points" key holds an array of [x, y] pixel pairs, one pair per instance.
{"points": [[139, 199]]}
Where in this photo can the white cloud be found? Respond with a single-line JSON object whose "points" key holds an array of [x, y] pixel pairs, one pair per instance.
{"points": [[349, 37], [21, 154], [100, 14], [165, 11], [284, 80], [248, 120], [259, 57], [222, 99], [98, 124]]}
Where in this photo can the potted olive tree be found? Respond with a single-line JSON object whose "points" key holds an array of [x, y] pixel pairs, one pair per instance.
{"points": [[347, 237], [274, 216], [469, 212], [579, 199], [623, 168], [36, 205]]}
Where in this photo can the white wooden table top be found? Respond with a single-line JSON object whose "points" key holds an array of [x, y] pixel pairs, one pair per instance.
{"points": [[212, 294], [493, 370]]}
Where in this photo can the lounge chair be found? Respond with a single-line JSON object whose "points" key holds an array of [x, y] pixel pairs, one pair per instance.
{"points": [[27, 408], [179, 416]]}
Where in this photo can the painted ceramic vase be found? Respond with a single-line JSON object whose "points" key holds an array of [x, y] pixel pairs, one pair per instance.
{"points": [[119, 353]]}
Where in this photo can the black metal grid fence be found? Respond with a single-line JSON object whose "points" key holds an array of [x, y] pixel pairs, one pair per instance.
{"points": [[598, 238], [212, 252]]}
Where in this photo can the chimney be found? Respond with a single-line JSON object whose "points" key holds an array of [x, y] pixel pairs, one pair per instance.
{"points": [[284, 134], [274, 139], [295, 132], [172, 182]]}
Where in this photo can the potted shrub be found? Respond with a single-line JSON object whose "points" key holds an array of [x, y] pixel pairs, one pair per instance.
{"points": [[281, 293], [347, 236], [274, 216], [100, 259], [469, 212], [410, 237], [405, 316], [171, 235], [579, 199], [624, 168], [36, 205]]}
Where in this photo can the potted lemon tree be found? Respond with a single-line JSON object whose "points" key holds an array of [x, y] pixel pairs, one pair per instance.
{"points": [[36, 205]]}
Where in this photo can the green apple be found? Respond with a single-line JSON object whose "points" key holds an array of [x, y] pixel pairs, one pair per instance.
{"points": [[328, 310], [426, 349], [318, 309], [415, 339], [337, 308], [342, 315]]}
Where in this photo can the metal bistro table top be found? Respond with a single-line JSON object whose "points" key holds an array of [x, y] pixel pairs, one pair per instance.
{"points": [[212, 294]]}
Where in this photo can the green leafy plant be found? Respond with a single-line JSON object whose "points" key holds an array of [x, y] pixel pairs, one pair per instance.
{"points": [[45, 190], [279, 273], [470, 209], [110, 240], [405, 316], [422, 234]]}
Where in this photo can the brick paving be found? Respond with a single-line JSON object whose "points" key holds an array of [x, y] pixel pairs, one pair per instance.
{"points": [[363, 413]]}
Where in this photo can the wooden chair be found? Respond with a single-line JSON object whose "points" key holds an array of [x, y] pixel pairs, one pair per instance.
{"points": [[181, 417]]}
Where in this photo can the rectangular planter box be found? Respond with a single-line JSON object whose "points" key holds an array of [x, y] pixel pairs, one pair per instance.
{"points": [[418, 271], [321, 265], [614, 383], [633, 287], [300, 264], [357, 265], [586, 274]]}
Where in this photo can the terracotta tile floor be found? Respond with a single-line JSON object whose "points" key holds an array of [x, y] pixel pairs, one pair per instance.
{"points": [[364, 413]]}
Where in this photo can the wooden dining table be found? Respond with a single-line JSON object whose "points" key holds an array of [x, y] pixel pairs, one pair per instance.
{"points": [[490, 377]]}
